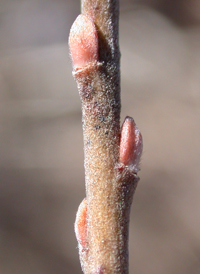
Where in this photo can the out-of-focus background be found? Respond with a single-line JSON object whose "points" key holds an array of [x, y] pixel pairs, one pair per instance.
{"points": [[41, 147]]}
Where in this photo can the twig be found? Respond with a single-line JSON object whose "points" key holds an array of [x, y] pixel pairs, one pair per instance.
{"points": [[111, 164]]}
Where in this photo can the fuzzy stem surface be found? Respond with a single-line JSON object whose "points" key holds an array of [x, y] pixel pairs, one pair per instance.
{"points": [[110, 184]]}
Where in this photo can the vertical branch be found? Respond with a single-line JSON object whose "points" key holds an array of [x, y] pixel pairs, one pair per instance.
{"points": [[105, 15], [111, 165]]}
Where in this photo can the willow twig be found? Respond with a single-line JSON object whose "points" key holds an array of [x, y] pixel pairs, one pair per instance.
{"points": [[111, 155]]}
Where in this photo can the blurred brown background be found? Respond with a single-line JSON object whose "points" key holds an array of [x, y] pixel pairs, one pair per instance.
{"points": [[41, 147]]}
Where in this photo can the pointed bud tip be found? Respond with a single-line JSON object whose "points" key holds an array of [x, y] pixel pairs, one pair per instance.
{"points": [[130, 144], [83, 42]]}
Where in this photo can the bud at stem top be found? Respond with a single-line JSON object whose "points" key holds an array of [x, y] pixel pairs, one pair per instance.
{"points": [[83, 42]]}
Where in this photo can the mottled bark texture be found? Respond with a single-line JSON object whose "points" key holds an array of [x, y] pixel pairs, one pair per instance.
{"points": [[110, 166]]}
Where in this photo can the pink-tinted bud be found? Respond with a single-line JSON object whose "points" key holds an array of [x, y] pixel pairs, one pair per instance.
{"points": [[83, 42], [130, 144], [80, 225]]}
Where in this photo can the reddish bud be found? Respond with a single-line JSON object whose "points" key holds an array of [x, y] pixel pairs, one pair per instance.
{"points": [[130, 144], [81, 223], [83, 42]]}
